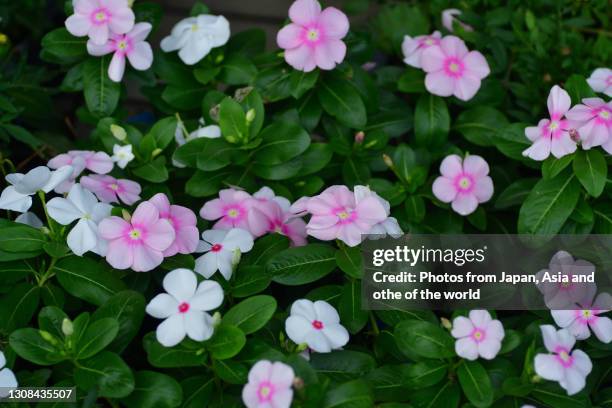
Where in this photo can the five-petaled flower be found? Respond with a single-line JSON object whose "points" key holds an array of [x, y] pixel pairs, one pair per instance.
{"points": [[593, 121], [413, 47], [588, 316], [184, 222], [269, 385], [122, 155], [184, 307], [17, 196], [223, 249], [110, 190], [100, 19], [601, 81], [478, 335], [231, 209]]}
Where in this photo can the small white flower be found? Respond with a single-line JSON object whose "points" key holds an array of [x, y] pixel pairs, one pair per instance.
{"points": [[7, 378], [569, 368], [389, 226], [588, 318], [223, 248], [317, 325], [122, 155], [16, 197], [210, 132], [80, 205], [194, 37], [477, 336], [29, 218], [184, 308], [601, 81]]}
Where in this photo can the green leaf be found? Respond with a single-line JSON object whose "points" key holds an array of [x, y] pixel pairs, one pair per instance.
{"points": [[249, 280], [205, 154], [591, 169], [204, 184], [350, 260], [512, 339], [22, 135], [549, 205], [162, 134], [237, 70], [475, 383], [226, 342], [154, 390], [101, 94], [21, 238], [315, 158], [56, 249], [18, 306], [511, 141], [232, 120], [415, 208], [282, 141], [128, 309], [424, 374], [87, 279], [251, 314], [445, 396], [554, 396], [412, 81], [108, 373], [431, 121], [198, 391], [424, 339], [205, 75], [349, 307], [388, 383], [578, 88], [184, 97], [50, 320], [355, 171], [353, 394], [342, 365], [341, 100], [231, 371], [63, 45], [264, 249], [480, 125], [14, 271], [98, 335], [29, 345], [515, 193], [169, 357], [154, 171], [301, 265], [301, 82], [553, 166]]}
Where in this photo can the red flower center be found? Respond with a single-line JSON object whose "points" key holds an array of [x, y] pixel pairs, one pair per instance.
{"points": [[216, 247], [183, 307], [317, 324]]}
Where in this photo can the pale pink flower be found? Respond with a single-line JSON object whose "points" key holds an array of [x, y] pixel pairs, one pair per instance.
{"points": [[271, 214], [452, 69], [413, 47], [463, 183], [478, 335], [601, 81], [231, 209], [389, 226], [269, 385], [300, 207], [139, 243], [569, 368], [100, 18], [97, 162], [578, 322], [109, 189], [184, 222], [593, 121], [337, 215], [449, 17], [552, 135], [131, 45], [314, 37]]}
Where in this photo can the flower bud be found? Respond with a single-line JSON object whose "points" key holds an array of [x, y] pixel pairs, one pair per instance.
{"points": [[250, 115], [3, 39], [301, 347], [359, 136], [48, 337], [574, 135], [118, 132], [242, 93], [45, 230], [387, 160], [216, 319], [547, 77], [67, 327], [219, 59], [126, 215], [298, 383], [236, 258], [446, 323], [156, 152], [214, 113]]}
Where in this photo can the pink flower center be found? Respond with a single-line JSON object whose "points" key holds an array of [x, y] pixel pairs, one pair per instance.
{"points": [[317, 324], [563, 356], [135, 234], [478, 335], [586, 316], [345, 215], [604, 115], [216, 247], [113, 186], [183, 307], [99, 16], [454, 67], [464, 183], [265, 392], [312, 35], [555, 127], [428, 42], [122, 45], [234, 213]]}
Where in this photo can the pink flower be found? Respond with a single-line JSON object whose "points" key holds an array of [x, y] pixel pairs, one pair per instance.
{"points": [[131, 45], [97, 162], [139, 243], [183, 220], [464, 184], [448, 19], [271, 213], [337, 215], [578, 322], [569, 368], [100, 18], [477, 336], [231, 209], [452, 69], [109, 189], [601, 81], [552, 135], [593, 120], [269, 385], [413, 48], [313, 38]]}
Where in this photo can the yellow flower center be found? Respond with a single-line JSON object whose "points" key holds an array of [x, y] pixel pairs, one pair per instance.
{"points": [[135, 233], [454, 67], [113, 186], [313, 34], [343, 215]]}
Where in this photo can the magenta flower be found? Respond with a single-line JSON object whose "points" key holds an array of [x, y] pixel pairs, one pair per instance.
{"points": [[593, 120], [97, 162], [552, 135], [131, 45], [100, 18], [139, 243], [271, 214], [109, 189], [314, 37], [452, 69], [183, 220], [413, 47], [463, 183], [231, 209], [269, 385], [578, 322], [337, 215], [479, 335]]}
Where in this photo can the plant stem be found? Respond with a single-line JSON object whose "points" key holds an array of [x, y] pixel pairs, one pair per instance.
{"points": [[41, 195]]}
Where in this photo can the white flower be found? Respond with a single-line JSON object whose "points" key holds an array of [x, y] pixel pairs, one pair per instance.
{"points": [[569, 368], [601, 81], [80, 205], [223, 248], [210, 132], [317, 325], [184, 307], [389, 226], [7, 378], [122, 155], [16, 197], [578, 322], [478, 335], [29, 218], [194, 37]]}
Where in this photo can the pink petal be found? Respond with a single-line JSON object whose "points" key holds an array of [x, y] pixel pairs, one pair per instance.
{"points": [[160, 235], [141, 56], [59, 161], [282, 375], [322, 221], [112, 227], [258, 222], [558, 101], [453, 46], [78, 25], [451, 166], [100, 163], [85, 6], [489, 348], [602, 328], [250, 395], [334, 23], [464, 204], [582, 362], [438, 83], [351, 234], [580, 113], [495, 330], [304, 12], [466, 87], [476, 166], [116, 67], [212, 210], [98, 34], [146, 214], [329, 53], [290, 36], [432, 59], [145, 258], [476, 65], [483, 189], [539, 150], [462, 327], [533, 133], [444, 189], [302, 57], [562, 146], [98, 50], [466, 348], [122, 20], [161, 202], [282, 398], [371, 210], [119, 254], [548, 367], [140, 32], [326, 234], [480, 318]]}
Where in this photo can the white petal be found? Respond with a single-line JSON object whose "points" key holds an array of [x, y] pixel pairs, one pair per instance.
{"points": [[34, 180], [83, 237], [14, 201], [582, 362], [194, 50], [162, 306], [466, 348], [180, 283], [548, 367], [225, 263], [7, 380], [58, 177], [214, 236], [206, 265], [549, 336], [2, 360], [317, 341], [63, 211], [304, 308], [297, 328], [171, 331], [198, 325], [83, 199], [208, 296], [238, 238], [336, 334], [326, 313], [573, 382], [462, 327], [480, 318], [31, 219], [100, 211], [602, 328]]}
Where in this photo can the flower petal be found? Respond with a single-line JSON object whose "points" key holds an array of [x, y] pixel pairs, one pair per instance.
{"points": [[116, 67], [63, 211], [198, 325], [304, 12], [162, 306], [83, 237], [141, 56], [208, 296], [181, 284], [334, 23], [11, 200], [548, 367], [171, 331], [289, 36]]}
